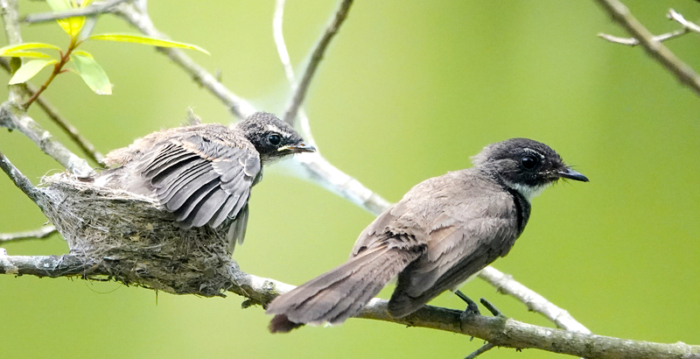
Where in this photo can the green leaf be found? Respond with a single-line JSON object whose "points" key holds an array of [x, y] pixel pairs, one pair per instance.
{"points": [[32, 54], [71, 25], [92, 73], [145, 40], [26, 46], [29, 70]]}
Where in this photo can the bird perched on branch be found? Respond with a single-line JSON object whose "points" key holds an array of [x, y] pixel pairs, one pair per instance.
{"points": [[442, 232], [203, 173]]}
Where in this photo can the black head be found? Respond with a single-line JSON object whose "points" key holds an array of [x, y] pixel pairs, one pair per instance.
{"points": [[525, 165], [272, 137]]}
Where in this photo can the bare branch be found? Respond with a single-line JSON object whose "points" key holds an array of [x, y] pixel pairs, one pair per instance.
{"points": [[13, 118], [22, 182], [630, 41], [316, 57], [92, 10], [621, 14], [10, 17], [687, 25], [534, 302], [85, 145], [40, 233], [500, 331], [484, 348], [238, 106]]}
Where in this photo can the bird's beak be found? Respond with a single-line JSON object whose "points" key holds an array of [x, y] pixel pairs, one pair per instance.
{"points": [[297, 148], [571, 174]]}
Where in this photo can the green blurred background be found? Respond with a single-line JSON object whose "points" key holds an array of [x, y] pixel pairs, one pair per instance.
{"points": [[408, 90]]}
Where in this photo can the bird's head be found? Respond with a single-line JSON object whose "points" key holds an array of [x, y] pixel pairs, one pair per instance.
{"points": [[525, 165], [272, 137]]}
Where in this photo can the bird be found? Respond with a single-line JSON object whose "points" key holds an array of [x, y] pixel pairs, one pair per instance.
{"points": [[203, 173], [444, 230]]}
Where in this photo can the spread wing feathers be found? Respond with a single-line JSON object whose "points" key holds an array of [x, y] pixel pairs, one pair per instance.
{"points": [[341, 293], [454, 254], [202, 180]]}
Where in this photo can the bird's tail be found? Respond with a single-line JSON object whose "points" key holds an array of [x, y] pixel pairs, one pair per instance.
{"points": [[340, 293]]}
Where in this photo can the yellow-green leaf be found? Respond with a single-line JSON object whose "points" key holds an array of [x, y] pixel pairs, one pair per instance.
{"points": [[26, 46], [85, 3], [71, 25], [29, 70], [83, 53], [92, 73], [145, 40], [33, 54]]}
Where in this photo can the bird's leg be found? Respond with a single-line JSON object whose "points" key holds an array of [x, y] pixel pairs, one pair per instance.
{"points": [[472, 307], [492, 308]]}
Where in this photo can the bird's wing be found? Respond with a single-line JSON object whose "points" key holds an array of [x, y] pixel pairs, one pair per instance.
{"points": [[462, 239], [201, 179]]}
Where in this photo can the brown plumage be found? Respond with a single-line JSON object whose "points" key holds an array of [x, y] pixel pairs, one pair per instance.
{"points": [[443, 231], [203, 173]]}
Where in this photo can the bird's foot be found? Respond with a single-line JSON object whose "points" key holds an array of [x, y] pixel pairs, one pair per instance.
{"points": [[472, 307]]}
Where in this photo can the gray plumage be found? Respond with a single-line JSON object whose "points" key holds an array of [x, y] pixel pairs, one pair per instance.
{"points": [[443, 231], [203, 173]]}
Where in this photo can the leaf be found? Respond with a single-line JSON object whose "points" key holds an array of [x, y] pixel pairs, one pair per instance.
{"points": [[29, 70], [26, 46], [71, 25], [92, 73], [32, 54], [145, 40], [86, 3]]}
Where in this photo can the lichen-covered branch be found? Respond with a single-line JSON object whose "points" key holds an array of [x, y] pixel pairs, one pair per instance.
{"points": [[40, 233], [92, 10], [85, 145], [22, 182], [622, 15], [504, 332], [316, 56]]}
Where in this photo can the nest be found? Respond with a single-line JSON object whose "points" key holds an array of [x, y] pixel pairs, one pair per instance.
{"points": [[132, 239]]}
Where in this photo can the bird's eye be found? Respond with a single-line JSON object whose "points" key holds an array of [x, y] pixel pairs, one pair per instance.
{"points": [[529, 162], [274, 139]]}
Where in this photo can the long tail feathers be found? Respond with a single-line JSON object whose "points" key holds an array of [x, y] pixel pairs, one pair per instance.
{"points": [[339, 294]]}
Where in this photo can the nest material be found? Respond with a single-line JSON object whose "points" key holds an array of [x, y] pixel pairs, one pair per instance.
{"points": [[132, 239]]}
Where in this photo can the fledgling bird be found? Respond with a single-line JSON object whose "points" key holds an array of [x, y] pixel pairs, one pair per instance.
{"points": [[203, 173], [442, 232]]}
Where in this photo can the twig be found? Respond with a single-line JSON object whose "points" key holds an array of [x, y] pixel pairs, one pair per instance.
{"points": [[85, 145], [507, 285], [22, 182], [499, 331], [10, 18], [93, 9], [13, 118], [316, 57], [238, 106], [40, 233], [631, 41], [621, 14], [484, 348], [687, 25]]}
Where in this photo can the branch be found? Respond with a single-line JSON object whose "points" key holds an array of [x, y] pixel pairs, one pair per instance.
{"points": [[621, 14], [10, 17], [22, 182], [13, 118], [687, 25], [630, 41], [92, 10], [500, 331], [316, 57], [40, 233], [85, 145]]}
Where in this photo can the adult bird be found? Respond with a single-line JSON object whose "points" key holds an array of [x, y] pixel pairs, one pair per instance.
{"points": [[442, 232], [203, 173]]}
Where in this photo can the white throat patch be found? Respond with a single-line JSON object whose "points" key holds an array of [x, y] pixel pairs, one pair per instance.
{"points": [[529, 192]]}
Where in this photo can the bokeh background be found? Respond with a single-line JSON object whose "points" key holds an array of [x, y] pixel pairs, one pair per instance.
{"points": [[408, 90]]}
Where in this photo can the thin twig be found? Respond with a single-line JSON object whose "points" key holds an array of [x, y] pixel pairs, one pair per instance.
{"points": [[10, 18], [13, 118], [316, 56], [22, 182], [621, 14], [484, 348], [94, 9], [687, 25], [85, 145], [40, 233], [631, 41]]}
